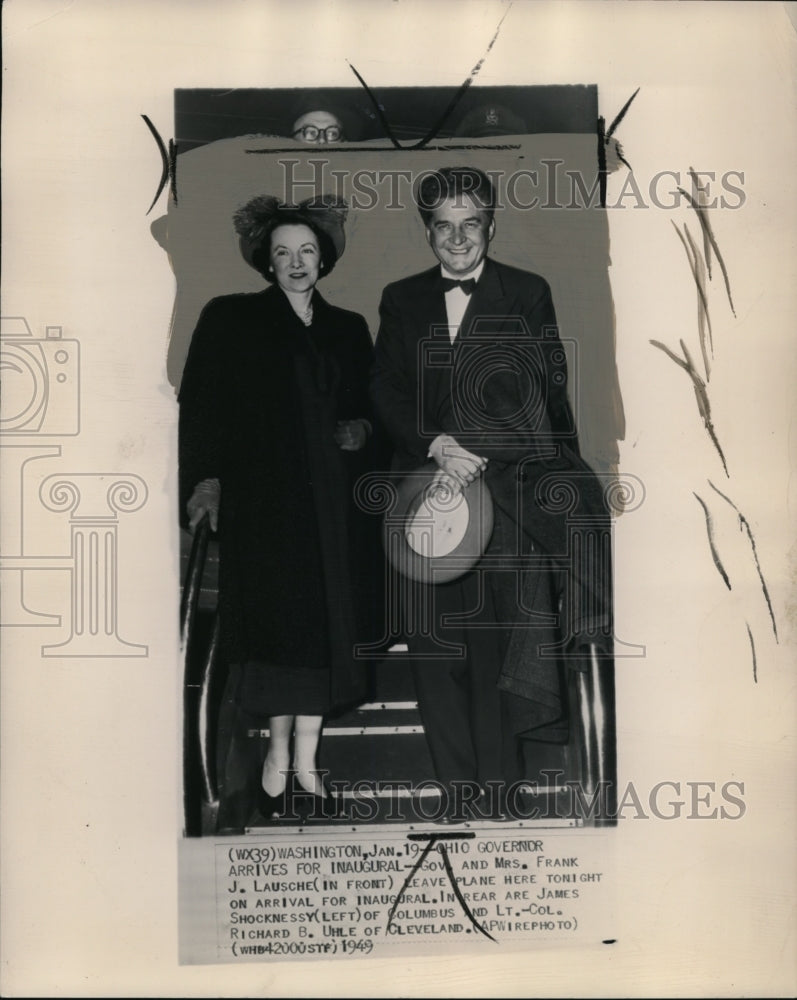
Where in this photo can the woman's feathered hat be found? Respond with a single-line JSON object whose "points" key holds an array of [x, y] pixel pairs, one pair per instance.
{"points": [[258, 216]]}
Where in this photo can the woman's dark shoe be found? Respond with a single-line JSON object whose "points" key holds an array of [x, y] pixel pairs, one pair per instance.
{"points": [[271, 806], [307, 804]]}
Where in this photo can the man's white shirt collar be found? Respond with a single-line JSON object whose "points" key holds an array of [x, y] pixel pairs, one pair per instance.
{"points": [[459, 277], [457, 300]]}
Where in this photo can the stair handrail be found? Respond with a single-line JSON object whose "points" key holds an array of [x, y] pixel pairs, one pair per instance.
{"points": [[197, 736]]}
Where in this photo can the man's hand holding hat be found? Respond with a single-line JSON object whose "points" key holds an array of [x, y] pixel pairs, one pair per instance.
{"points": [[460, 466]]}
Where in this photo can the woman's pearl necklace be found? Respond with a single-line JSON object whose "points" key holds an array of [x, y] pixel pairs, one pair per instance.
{"points": [[305, 315]]}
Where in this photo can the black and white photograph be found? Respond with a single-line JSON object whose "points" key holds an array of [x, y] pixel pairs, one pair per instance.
{"points": [[459, 668], [397, 545], [303, 574]]}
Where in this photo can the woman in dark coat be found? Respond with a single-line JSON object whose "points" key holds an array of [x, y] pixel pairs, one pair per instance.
{"points": [[274, 420]]}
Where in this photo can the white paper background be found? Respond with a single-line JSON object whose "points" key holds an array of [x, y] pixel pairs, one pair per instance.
{"points": [[91, 748]]}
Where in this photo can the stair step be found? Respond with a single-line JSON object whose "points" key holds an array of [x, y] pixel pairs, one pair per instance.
{"points": [[403, 755], [420, 813], [378, 757], [365, 729], [387, 714]]}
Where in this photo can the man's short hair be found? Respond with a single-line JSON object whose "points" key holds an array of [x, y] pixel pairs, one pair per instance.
{"points": [[454, 182]]}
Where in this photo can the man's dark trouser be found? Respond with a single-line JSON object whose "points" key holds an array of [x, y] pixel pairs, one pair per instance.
{"points": [[464, 714]]}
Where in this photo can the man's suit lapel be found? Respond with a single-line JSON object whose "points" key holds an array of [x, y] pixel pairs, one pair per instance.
{"points": [[488, 299], [429, 308]]}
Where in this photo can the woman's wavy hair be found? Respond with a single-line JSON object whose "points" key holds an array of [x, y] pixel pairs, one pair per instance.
{"points": [[256, 221], [261, 258]]}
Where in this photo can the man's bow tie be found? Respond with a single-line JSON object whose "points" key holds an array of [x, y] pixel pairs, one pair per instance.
{"points": [[467, 285]]}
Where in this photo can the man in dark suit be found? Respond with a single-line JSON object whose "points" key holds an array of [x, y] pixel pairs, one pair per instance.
{"points": [[470, 372]]}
